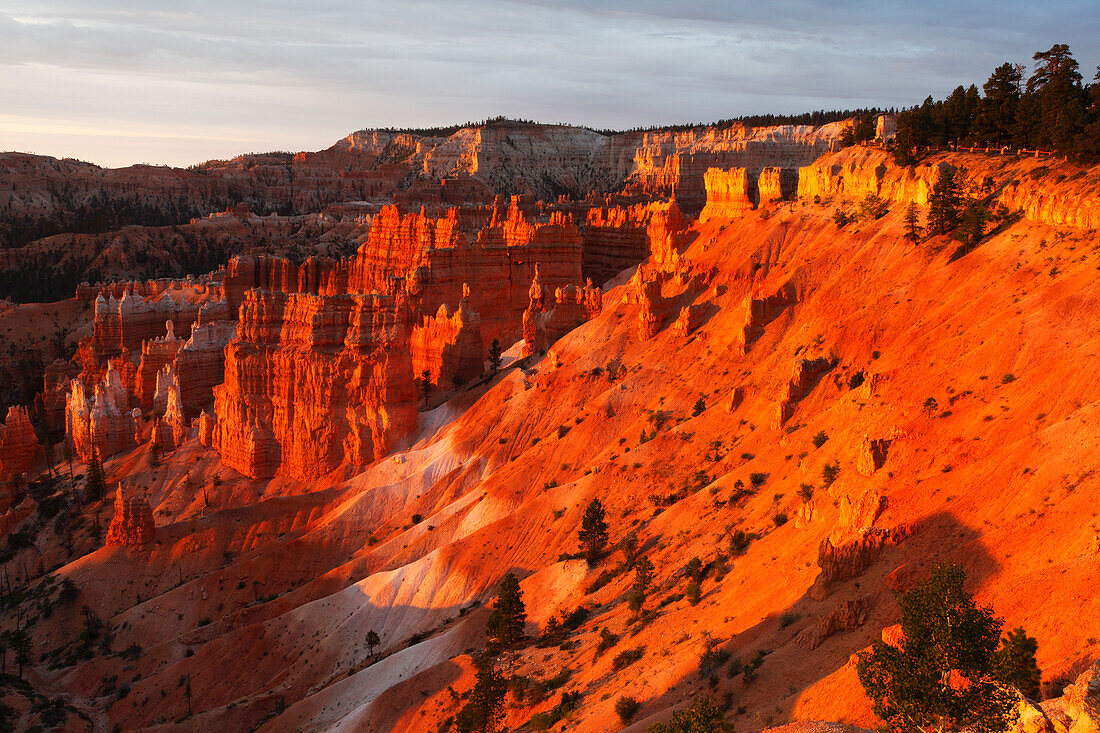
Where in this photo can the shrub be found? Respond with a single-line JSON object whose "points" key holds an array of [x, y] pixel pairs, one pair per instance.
{"points": [[711, 660], [806, 492], [820, 438], [626, 708], [829, 472], [607, 640], [780, 519], [757, 479], [627, 657]]}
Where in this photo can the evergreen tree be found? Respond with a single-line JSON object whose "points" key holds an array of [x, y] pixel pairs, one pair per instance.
{"points": [[997, 112], [95, 488], [495, 357], [1015, 665], [940, 677], [945, 202], [1059, 98], [972, 225], [643, 576], [485, 705], [372, 641], [912, 224], [426, 384], [506, 622], [20, 642], [593, 534]]}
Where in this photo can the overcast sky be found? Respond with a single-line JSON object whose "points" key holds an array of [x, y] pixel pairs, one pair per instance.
{"points": [[118, 82]]}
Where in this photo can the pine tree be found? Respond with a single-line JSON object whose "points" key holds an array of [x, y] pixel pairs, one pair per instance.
{"points": [[485, 705], [593, 534], [1015, 665], [700, 407], [972, 225], [95, 488], [372, 641], [997, 112], [426, 384], [495, 357], [912, 224], [643, 576], [941, 676], [506, 622], [945, 202]]}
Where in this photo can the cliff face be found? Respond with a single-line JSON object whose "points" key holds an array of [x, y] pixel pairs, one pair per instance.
{"points": [[675, 163], [1047, 192], [103, 423], [615, 238], [448, 347], [432, 258], [311, 381], [18, 443]]}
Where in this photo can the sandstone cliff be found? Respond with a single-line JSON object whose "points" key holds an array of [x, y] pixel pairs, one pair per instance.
{"points": [[312, 380], [19, 447]]}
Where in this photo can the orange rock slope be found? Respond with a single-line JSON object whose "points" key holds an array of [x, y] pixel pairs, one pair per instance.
{"points": [[818, 414]]}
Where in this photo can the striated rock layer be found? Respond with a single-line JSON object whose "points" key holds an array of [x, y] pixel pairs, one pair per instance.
{"points": [[448, 347], [313, 380], [18, 443]]}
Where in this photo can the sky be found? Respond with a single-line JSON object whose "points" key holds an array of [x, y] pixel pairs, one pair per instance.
{"points": [[117, 82]]}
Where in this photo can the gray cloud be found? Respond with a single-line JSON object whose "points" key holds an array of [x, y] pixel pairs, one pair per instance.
{"points": [[180, 82]]}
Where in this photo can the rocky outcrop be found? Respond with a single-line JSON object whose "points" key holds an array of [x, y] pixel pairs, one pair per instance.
{"points": [[200, 364], [690, 318], [132, 523], [155, 355], [170, 430], [19, 447], [430, 259], [1018, 184], [805, 374], [849, 559], [760, 311], [322, 276], [777, 184], [675, 163], [871, 455], [846, 616], [615, 238], [645, 289], [103, 423], [545, 322], [448, 346], [730, 194], [122, 325], [312, 381], [205, 426], [16, 514], [1076, 711]]}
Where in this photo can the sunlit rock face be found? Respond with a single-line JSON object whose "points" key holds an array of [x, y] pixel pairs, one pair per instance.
{"points": [[19, 446], [132, 523], [313, 380]]}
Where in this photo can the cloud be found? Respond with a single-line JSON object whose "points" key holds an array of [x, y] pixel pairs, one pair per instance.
{"points": [[272, 73]]}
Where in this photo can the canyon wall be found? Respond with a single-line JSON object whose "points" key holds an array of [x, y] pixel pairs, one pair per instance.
{"points": [[313, 380], [18, 443], [1020, 184]]}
